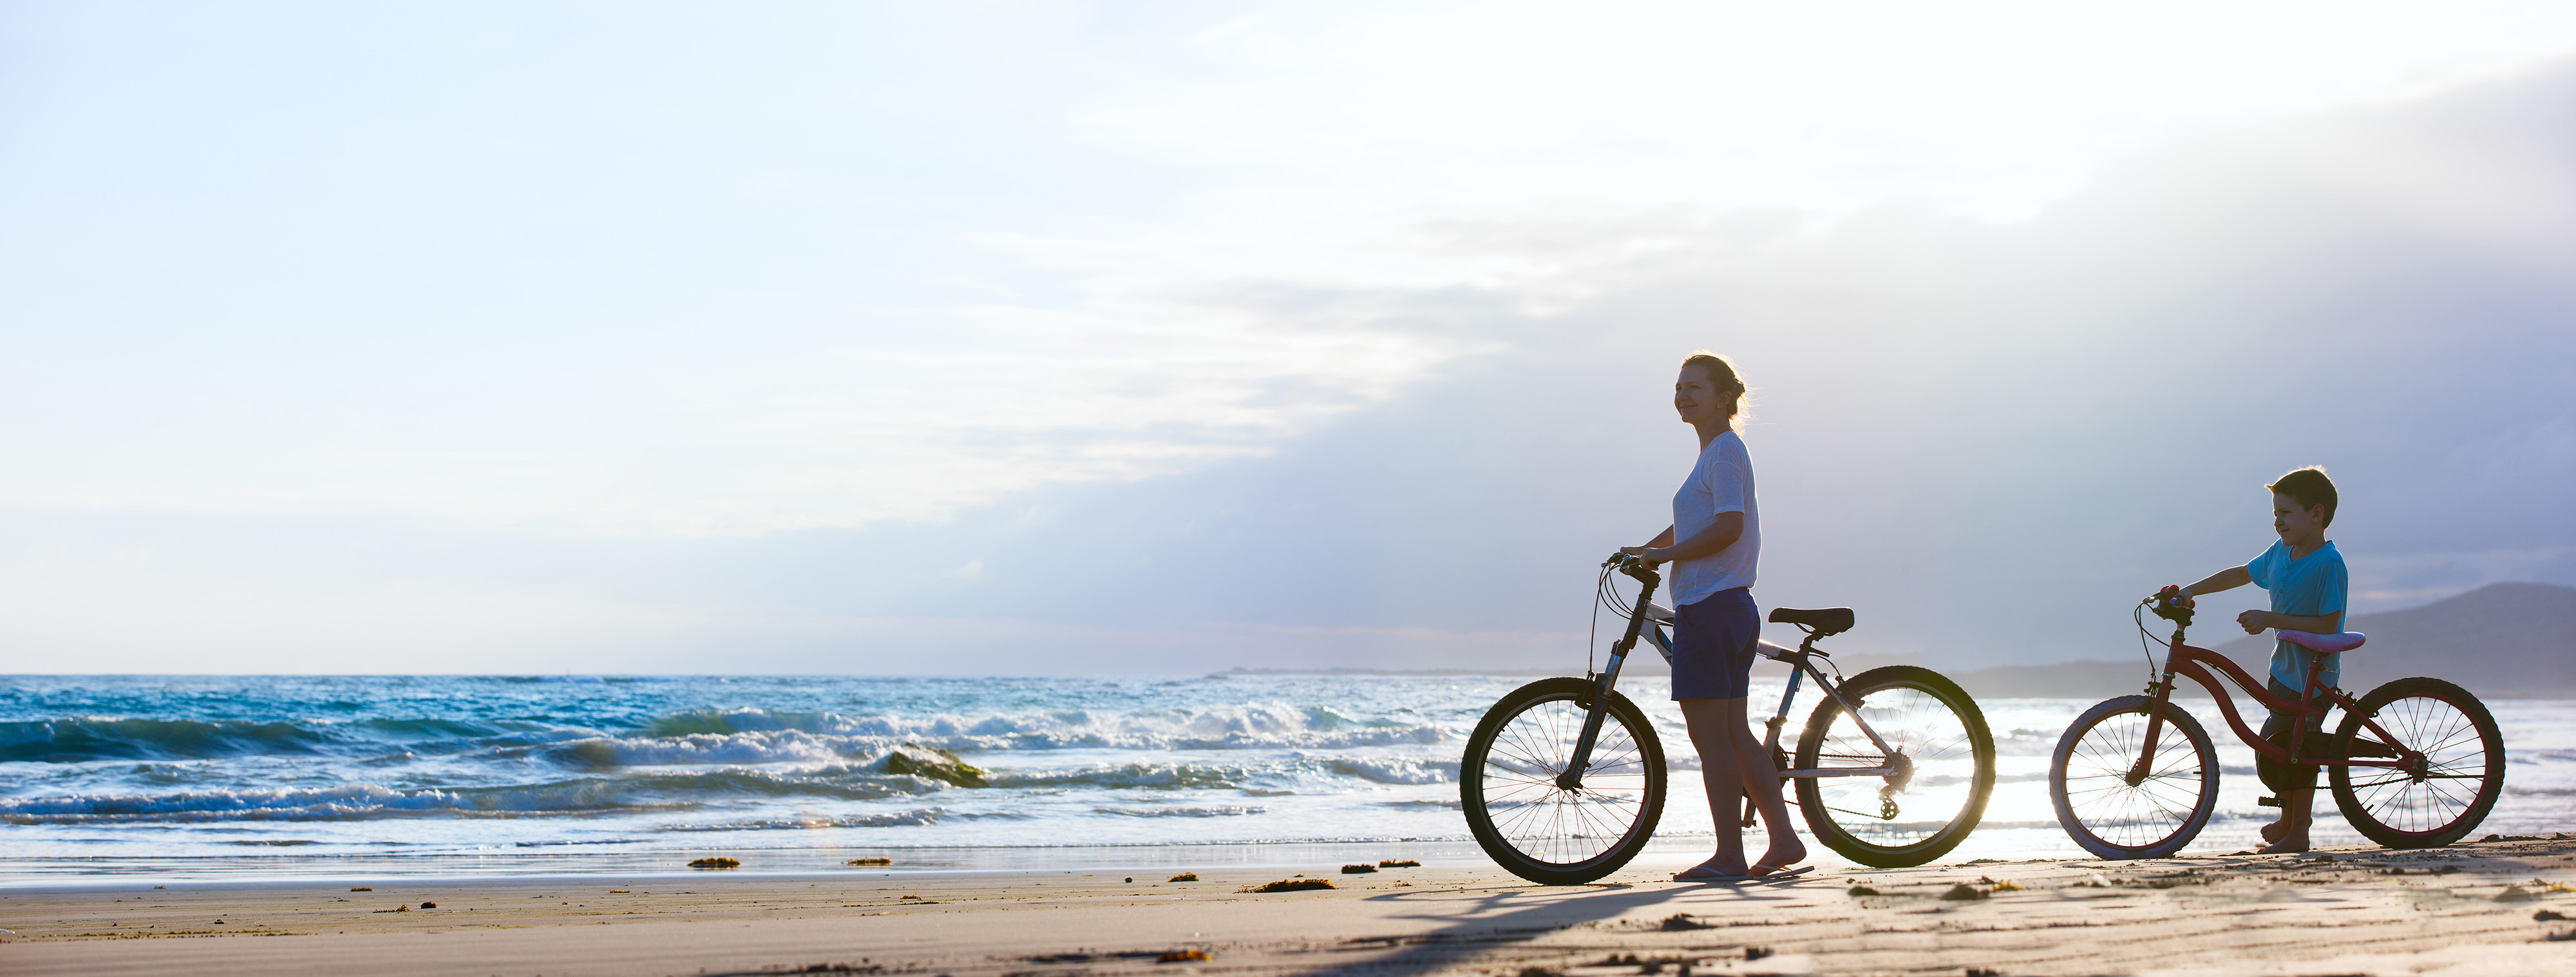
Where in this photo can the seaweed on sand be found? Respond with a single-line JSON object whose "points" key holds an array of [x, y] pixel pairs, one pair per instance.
{"points": [[1291, 885]]}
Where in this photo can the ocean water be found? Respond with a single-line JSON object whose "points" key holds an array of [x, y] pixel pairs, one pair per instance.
{"points": [[288, 774]]}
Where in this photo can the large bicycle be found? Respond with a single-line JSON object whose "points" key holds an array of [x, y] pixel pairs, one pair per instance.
{"points": [[1563, 780], [2416, 763]]}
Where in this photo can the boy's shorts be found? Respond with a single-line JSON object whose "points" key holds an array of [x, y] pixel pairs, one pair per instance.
{"points": [[1713, 645], [2282, 775]]}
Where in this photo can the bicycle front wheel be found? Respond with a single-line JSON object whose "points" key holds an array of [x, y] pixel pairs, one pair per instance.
{"points": [[1541, 831], [2114, 806], [1943, 760], [2433, 802]]}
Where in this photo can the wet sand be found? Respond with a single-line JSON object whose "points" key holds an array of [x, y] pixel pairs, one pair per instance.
{"points": [[2468, 909]]}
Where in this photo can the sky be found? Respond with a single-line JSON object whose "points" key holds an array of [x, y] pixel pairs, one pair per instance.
{"points": [[1166, 338]]}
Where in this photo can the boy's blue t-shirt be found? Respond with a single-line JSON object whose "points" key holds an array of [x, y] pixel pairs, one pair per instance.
{"points": [[2311, 586]]}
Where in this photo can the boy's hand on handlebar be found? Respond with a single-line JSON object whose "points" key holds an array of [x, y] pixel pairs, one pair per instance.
{"points": [[2176, 594]]}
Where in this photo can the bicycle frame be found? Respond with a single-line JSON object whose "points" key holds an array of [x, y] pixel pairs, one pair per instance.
{"points": [[1800, 660], [2197, 664], [1801, 665]]}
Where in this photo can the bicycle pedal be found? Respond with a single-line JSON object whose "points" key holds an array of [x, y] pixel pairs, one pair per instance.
{"points": [[2268, 801]]}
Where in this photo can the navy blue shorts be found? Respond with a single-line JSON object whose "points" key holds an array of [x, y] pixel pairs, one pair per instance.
{"points": [[1713, 645]]}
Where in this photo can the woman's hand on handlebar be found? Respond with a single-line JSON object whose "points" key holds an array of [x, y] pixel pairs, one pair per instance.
{"points": [[1642, 552]]}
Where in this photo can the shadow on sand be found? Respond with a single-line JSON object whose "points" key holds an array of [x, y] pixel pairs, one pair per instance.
{"points": [[1502, 917]]}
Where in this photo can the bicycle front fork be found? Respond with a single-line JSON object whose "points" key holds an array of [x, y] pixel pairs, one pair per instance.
{"points": [[1571, 778], [2160, 693]]}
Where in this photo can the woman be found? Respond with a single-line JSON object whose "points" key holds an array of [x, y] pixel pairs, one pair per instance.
{"points": [[1715, 623]]}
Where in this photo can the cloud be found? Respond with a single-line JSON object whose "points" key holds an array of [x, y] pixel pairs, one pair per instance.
{"points": [[1993, 108], [577, 284], [1989, 438], [1295, 351]]}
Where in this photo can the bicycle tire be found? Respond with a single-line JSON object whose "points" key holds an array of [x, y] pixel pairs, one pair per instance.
{"points": [[1935, 725], [1524, 821], [2412, 710], [2103, 743]]}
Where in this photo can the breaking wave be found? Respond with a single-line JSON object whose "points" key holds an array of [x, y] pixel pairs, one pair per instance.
{"points": [[1397, 771], [86, 738], [1177, 812], [1230, 727], [367, 801], [732, 736]]}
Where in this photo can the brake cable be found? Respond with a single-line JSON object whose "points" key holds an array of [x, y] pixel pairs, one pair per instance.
{"points": [[1592, 632], [1602, 593], [2146, 639]]}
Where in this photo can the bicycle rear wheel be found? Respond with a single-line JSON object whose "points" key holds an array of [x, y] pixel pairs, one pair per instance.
{"points": [[2437, 801], [1532, 827], [2114, 815], [1945, 771]]}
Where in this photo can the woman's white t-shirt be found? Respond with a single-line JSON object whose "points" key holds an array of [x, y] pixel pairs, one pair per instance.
{"points": [[1721, 482]]}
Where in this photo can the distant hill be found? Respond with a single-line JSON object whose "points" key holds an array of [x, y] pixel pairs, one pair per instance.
{"points": [[2502, 641]]}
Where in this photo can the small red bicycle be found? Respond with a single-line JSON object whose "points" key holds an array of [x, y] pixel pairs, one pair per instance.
{"points": [[2416, 763]]}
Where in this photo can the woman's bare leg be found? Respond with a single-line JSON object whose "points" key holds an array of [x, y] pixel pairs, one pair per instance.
{"points": [[1762, 783], [1721, 769]]}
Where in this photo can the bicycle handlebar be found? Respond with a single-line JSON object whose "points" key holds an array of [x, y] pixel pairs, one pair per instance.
{"points": [[1634, 566], [2170, 608]]}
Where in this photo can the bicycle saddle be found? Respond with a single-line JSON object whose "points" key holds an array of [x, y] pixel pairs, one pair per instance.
{"points": [[2324, 643], [1827, 620]]}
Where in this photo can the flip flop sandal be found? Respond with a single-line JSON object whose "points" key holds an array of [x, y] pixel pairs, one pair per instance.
{"points": [[1686, 876], [1782, 873]]}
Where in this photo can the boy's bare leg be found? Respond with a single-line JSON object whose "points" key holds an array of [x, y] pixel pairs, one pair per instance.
{"points": [[1762, 783], [1721, 770], [2293, 836]]}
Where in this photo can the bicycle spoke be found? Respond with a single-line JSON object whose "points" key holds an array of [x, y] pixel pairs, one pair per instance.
{"points": [[1527, 808], [1933, 738], [2094, 781], [2438, 800]]}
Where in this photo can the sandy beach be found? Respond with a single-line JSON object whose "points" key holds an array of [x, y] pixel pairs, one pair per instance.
{"points": [[2489, 907]]}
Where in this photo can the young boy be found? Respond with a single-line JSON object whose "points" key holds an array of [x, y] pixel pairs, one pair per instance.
{"points": [[2306, 578]]}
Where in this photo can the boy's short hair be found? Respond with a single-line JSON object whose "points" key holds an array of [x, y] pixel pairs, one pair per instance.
{"points": [[2309, 487]]}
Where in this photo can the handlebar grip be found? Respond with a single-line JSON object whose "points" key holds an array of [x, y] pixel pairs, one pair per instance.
{"points": [[2173, 608]]}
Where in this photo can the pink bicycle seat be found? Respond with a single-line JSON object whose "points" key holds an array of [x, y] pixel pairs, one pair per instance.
{"points": [[2324, 643]]}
